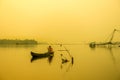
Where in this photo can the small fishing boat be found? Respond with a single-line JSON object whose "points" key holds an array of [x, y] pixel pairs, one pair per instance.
{"points": [[50, 58], [42, 55]]}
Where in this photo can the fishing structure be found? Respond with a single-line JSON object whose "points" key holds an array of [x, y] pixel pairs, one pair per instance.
{"points": [[108, 43]]}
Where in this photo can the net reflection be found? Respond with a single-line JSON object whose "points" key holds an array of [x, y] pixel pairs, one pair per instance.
{"points": [[110, 50], [65, 61], [112, 55]]}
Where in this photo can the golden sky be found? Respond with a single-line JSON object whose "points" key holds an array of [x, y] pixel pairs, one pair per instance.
{"points": [[59, 20]]}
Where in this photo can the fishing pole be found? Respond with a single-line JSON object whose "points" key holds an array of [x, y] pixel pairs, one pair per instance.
{"points": [[67, 51], [72, 59]]}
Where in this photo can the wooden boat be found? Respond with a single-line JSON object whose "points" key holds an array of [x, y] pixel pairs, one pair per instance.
{"points": [[50, 58], [42, 55]]}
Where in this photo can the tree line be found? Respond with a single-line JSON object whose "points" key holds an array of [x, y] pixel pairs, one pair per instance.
{"points": [[17, 42]]}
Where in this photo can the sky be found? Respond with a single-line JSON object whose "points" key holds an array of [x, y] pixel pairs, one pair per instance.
{"points": [[71, 21]]}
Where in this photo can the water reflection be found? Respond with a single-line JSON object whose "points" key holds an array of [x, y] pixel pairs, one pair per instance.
{"points": [[114, 62], [50, 58], [110, 49], [36, 56], [112, 55], [65, 61]]}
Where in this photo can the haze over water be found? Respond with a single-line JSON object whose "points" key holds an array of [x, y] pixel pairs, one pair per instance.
{"points": [[89, 64], [65, 22]]}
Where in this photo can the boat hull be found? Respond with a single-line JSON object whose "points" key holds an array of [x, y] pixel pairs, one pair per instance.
{"points": [[47, 54]]}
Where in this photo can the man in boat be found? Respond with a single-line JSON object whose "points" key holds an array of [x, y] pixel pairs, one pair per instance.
{"points": [[50, 49]]}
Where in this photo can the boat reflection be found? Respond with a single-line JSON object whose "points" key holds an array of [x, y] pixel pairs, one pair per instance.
{"points": [[50, 58], [64, 61]]}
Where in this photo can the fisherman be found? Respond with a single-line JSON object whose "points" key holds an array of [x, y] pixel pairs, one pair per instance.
{"points": [[50, 49]]}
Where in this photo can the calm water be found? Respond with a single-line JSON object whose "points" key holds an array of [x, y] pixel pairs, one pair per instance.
{"points": [[89, 64]]}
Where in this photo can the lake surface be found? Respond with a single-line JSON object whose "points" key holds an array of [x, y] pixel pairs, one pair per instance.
{"points": [[98, 63]]}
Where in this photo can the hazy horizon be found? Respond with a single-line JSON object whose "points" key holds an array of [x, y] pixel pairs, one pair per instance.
{"points": [[59, 21]]}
